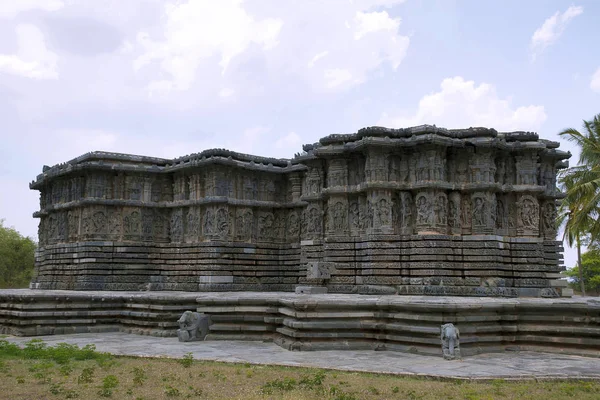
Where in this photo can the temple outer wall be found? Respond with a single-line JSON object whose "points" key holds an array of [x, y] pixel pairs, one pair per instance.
{"points": [[422, 210]]}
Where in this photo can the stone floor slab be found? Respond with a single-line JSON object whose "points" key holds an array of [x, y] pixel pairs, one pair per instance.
{"points": [[508, 365]]}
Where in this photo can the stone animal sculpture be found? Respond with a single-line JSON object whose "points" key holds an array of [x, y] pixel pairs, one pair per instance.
{"points": [[450, 342], [193, 326]]}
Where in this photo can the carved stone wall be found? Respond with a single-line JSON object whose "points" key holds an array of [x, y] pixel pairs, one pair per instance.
{"points": [[421, 210]]}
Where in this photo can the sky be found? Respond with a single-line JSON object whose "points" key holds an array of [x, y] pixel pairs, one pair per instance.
{"points": [[170, 78]]}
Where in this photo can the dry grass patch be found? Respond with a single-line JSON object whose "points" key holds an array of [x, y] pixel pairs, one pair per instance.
{"points": [[67, 372]]}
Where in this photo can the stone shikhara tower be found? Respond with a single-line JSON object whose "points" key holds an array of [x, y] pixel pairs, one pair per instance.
{"points": [[421, 210]]}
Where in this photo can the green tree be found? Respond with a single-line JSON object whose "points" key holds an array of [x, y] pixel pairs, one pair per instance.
{"points": [[580, 207], [17, 255], [591, 271]]}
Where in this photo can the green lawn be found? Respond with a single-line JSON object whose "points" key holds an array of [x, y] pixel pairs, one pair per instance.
{"points": [[67, 372]]}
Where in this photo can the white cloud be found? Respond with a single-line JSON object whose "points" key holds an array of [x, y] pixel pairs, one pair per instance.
{"points": [[196, 31], [462, 104], [552, 29], [374, 21], [595, 83], [289, 36], [33, 59], [316, 58], [11, 8]]}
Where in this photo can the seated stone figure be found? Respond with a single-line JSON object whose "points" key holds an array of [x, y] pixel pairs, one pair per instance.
{"points": [[450, 342], [193, 326]]}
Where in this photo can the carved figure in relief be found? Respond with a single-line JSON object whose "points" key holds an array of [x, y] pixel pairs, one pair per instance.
{"points": [[52, 227], [265, 225], [293, 224], [177, 225], [131, 223], [424, 211], [405, 216], [147, 224], [339, 217], [453, 218], [382, 213], [466, 212], [461, 171], [99, 221], [479, 211], [62, 226], [314, 185], [73, 222], [244, 223], [512, 214], [209, 223], [529, 214], [549, 220], [501, 222], [313, 221], [193, 222], [501, 170], [440, 210], [222, 223], [160, 226], [354, 216]]}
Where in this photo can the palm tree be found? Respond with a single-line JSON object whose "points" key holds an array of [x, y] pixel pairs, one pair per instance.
{"points": [[581, 205]]}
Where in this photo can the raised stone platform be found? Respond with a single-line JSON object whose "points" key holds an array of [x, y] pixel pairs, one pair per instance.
{"points": [[317, 321]]}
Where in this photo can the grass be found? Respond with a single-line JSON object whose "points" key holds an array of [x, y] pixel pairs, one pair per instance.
{"points": [[64, 371]]}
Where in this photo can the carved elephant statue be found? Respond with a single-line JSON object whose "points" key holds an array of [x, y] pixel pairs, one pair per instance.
{"points": [[193, 326], [450, 336]]}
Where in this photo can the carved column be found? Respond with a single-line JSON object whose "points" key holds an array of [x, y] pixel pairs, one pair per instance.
{"points": [[337, 173], [527, 168]]}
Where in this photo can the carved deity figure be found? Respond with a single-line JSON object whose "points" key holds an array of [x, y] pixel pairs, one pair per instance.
{"points": [[265, 225], [312, 221], [177, 225], [209, 223], [382, 213], [479, 211], [193, 223], [549, 217], [405, 216], [501, 221], [453, 218], [424, 211], [243, 224], [440, 210], [193, 326], [222, 223], [339, 217], [529, 214], [450, 337], [293, 225], [131, 223]]}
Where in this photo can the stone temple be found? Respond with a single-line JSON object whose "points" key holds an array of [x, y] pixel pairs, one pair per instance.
{"points": [[415, 211]]}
